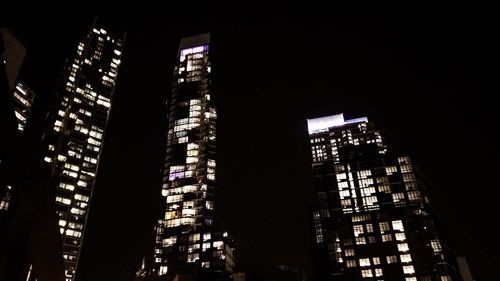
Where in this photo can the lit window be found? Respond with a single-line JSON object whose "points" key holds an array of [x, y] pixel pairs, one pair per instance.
{"points": [[376, 261], [391, 170], [67, 186], [378, 272], [403, 247], [405, 258], [193, 248], [446, 278], [397, 197], [413, 279], [349, 252], [63, 200], [358, 218], [386, 237], [392, 259], [366, 273], [207, 236], [398, 225], [408, 269], [81, 183], [77, 211], [81, 197], [358, 229], [351, 263], [384, 226], [163, 269], [369, 228], [414, 195], [218, 245], [360, 240], [174, 198], [364, 262], [436, 246], [194, 237], [400, 236]]}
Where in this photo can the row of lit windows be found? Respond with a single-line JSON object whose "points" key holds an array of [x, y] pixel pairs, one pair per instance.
{"points": [[180, 221]]}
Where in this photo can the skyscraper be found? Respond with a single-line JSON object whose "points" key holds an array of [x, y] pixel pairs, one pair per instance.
{"points": [[29, 241], [372, 216], [187, 241], [75, 138], [12, 54]]}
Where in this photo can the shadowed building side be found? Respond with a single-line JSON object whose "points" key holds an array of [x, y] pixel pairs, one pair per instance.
{"points": [[29, 240]]}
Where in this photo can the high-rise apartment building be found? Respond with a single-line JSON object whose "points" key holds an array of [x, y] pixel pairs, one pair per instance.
{"points": [[75, 138], [12, 54], [372, 217], [29, 242], [187, 241]]}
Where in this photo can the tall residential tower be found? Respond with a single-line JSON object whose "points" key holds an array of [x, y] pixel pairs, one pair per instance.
{"points": [[372, 217], [75, 137], [187, 241]]}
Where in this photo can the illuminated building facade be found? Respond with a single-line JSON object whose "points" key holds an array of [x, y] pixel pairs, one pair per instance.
{"points": [[187, 240], [76, 134], [372, 219], [23, 97]]}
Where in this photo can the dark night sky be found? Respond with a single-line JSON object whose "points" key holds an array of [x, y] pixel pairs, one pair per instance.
{"points": [[422, 77]]}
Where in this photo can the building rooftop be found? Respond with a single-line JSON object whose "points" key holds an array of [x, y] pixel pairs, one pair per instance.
{"points": [[321, 124]]}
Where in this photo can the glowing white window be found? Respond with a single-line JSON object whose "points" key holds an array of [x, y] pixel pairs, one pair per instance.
{"points": [[207, 236], [81, 183], [397, 225], [77, 211], [364, 262], [400, 236], [366, 273], [403, 247], [67, 186], [218, 245], [174, 198], [405, 258], [163, 269], [408, 269], [81, 197], [358, 229], [63, 200]]}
